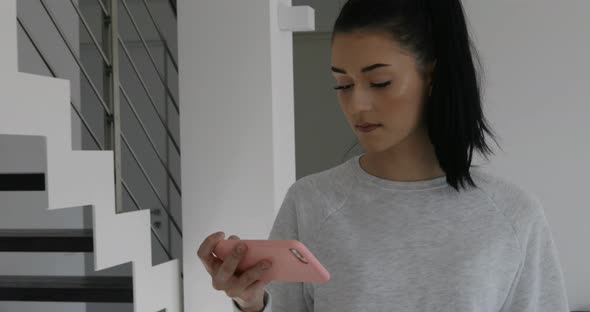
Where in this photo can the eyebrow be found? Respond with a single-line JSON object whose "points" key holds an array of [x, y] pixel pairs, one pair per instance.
{"points": [[364, 70]]}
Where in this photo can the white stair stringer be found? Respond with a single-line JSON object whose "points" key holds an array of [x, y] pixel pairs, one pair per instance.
{"points": [[40, 106]]}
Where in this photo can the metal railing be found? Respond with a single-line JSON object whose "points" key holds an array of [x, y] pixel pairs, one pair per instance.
{"points": [[109, 47]]}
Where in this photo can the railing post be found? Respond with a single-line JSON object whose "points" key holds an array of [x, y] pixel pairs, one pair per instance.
{"points": [[111, 87], [165, 58]]}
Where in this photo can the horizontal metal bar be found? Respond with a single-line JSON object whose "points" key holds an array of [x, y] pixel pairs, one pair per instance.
{"points": [[53, 73], [142, 82], [151, 57], [174, 62], [144, 172], [87, 27], [151, 99], [164, 124], [136, 43], [63, 37], [34, 43], [168, 132], [87, 126], [162, 244], [138, 207], [151, 141], [103, 8]]}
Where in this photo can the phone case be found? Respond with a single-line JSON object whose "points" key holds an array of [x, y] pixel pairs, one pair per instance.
{"points": [[291, 260]]}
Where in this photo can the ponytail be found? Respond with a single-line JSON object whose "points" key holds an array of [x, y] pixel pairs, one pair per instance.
{"points": [[453, 114]]}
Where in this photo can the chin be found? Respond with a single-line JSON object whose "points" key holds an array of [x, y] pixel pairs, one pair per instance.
{"points": [[374, 148]]}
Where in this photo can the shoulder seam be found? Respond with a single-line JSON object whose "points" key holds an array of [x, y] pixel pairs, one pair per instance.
{"points": [[514, 232], [321, 225]]}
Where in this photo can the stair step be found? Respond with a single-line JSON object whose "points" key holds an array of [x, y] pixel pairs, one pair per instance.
{"points": [[114, 289], [22, 181], [59, 240]]}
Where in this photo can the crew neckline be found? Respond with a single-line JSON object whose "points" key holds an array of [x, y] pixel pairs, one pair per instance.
{"points": [[354, 163]]}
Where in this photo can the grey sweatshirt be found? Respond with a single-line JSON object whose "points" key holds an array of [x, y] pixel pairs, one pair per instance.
{"points": [[418, 246]]}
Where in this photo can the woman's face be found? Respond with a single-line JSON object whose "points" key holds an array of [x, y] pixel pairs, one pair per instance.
{"points": [[396, 105]]}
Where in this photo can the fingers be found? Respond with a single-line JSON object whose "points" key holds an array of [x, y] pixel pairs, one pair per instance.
{"points": [[225, 276], [205, 251], [218, 263], [234, 237], [247, 286], [252, 275], [230, 263]]}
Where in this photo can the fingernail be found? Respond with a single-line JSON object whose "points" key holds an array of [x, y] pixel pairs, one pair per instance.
{"points": [[220, 234], [265, 265], [241, 248]]}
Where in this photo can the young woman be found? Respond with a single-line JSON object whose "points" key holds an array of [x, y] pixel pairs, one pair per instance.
{"points": [[409, 225]]}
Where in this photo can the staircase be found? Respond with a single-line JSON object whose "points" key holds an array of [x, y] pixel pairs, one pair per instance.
{"points": [[58, 288], [33, 105]]}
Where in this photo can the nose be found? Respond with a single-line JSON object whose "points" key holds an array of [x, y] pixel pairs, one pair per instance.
{"points": [[361, 101]]}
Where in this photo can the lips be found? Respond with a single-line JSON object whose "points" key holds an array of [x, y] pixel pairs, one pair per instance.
{"points": [[367, 125]]}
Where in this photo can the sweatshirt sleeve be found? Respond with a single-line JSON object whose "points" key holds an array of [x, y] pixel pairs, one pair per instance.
{"points": [[539, 283], [286, 296], [267, 303]]}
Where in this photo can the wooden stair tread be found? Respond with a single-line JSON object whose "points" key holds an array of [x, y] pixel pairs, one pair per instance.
{"points": [[66, 288], [46, 240]]}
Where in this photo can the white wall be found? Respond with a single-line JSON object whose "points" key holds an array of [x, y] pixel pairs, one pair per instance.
{"points": [[535, 55], [237, 128]]}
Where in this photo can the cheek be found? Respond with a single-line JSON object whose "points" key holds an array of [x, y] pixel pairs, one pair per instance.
{"points": [[406, 95], [402, 110]]}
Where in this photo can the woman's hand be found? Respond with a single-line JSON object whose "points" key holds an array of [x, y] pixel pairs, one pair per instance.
{"points": [[243, 287]]}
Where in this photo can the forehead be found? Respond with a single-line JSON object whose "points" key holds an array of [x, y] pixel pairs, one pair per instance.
{"points": [[351, 51]]}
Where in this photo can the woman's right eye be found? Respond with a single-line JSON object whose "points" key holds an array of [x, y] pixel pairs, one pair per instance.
{"points": [[342, 87]]}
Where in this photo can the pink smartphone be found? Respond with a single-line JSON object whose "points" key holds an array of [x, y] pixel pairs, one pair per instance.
{"points": [[291, 260]]}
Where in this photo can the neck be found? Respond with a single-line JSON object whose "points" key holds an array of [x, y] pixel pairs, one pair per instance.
{"points": [[411, 160]]}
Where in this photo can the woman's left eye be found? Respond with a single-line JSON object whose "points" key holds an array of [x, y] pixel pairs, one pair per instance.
{"points": [[381, 85], [376, 85]]}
